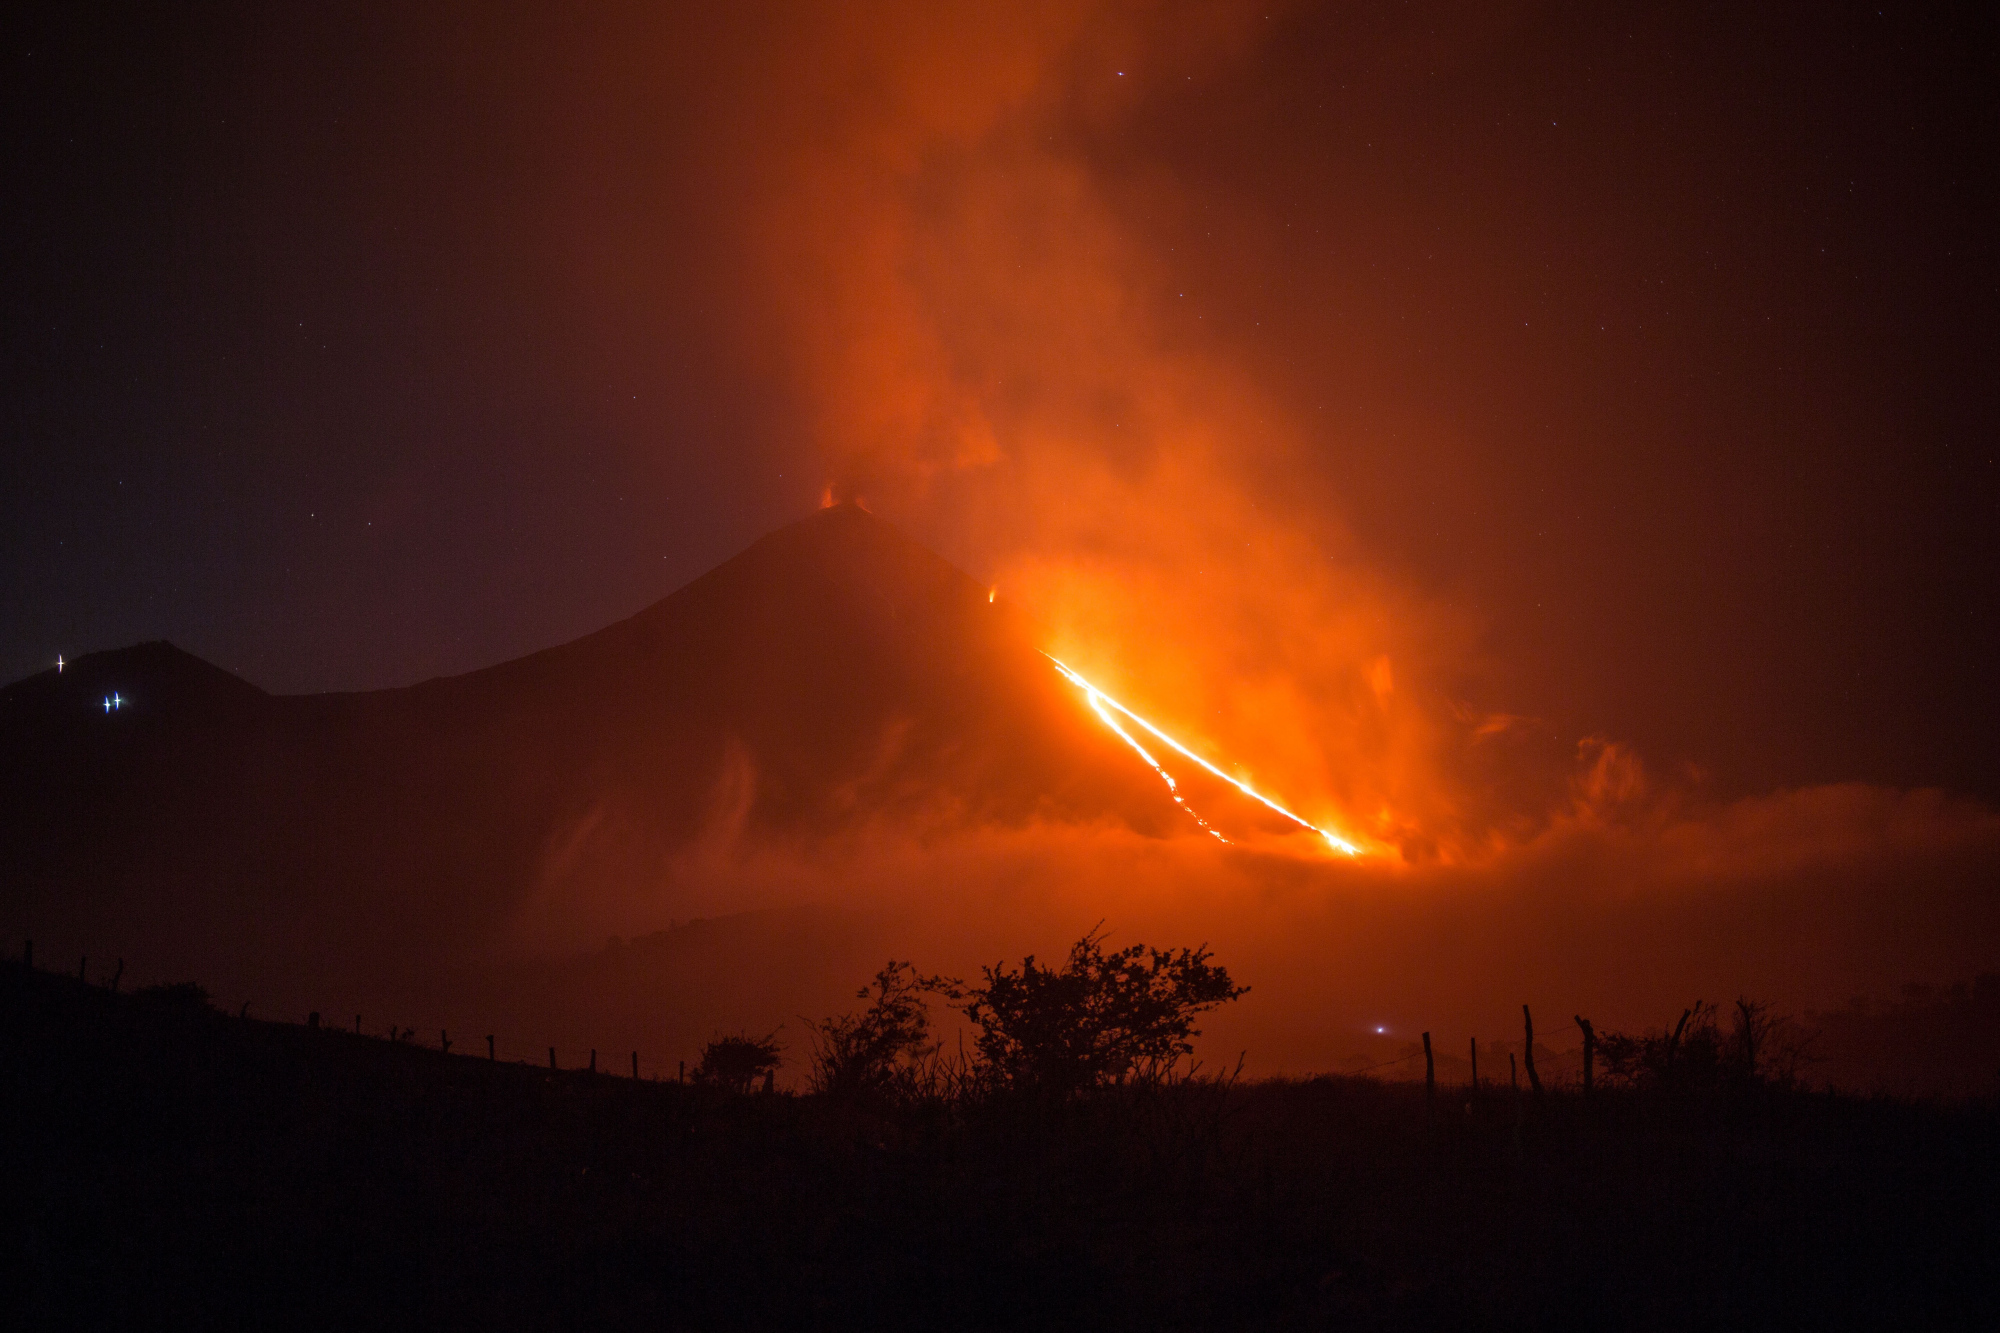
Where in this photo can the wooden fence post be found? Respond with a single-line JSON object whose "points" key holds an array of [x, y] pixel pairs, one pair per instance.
{"points": [[1430, 1084], [489, 1047], [1528, 1056], [635, 1066], [593, 1059], [552, 1057], [1514, 1082], [357, 1025], [1674, 1042], [1475, 1066], [118, 976], [1589, 1050], [681, 1074], [444, 1042]]}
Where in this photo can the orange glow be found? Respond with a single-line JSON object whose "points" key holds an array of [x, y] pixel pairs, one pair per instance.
{"points": [[1098, 701]]}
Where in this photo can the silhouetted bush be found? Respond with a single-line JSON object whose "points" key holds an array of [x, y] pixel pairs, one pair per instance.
{"points": [[885, 1049], [1698, 1056], [738, 1062], [1100, 1018]]}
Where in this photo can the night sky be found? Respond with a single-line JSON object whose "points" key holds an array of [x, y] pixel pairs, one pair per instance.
{"points": [[347, 346]]}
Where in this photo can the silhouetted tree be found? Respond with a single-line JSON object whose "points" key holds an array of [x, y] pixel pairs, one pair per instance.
{"points": [[1099, 1018], [887, 1047], [737, 1062]]}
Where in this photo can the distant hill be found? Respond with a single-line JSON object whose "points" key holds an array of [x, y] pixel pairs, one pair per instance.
{"points": [[832, 678]]}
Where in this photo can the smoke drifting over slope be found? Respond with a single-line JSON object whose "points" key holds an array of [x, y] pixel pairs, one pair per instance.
{"points": [[981, 342], [1002, 314], [964, 262]]}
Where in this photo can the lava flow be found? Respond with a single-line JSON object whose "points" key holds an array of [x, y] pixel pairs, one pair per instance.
{"points": [[1099, 701]]}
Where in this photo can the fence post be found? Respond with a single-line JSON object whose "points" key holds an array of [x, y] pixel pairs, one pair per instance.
{"points": [[1589, 1050], [1514, 1082], [1528, 1056], [593, 1059], [1475, 1066], [357, 1025], [1674, 1042], [635, 1066], [489, 1046], [444, 1042], [552, 1057], [118, 976], [681, 1074], [1430, 1084]]}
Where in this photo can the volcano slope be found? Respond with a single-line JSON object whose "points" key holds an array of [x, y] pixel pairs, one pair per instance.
{"points": [[833, 678]]}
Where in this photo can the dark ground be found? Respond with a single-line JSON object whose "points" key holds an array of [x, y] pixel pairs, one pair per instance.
{"points": [[168, 1165]]}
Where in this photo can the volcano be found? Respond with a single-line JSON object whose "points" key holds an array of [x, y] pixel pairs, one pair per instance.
{"points": [[833, 679]]}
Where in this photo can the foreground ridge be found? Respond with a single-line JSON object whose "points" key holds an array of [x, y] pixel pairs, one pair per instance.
{"points": [[163, 1155]]}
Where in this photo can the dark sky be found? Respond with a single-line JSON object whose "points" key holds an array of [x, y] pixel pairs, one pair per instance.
{"points": [[347, 346]]}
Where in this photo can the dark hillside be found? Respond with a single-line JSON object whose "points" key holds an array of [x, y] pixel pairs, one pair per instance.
{"points": [[167, 1165]]}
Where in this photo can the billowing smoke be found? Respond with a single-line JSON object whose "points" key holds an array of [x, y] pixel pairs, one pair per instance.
{"points": [[968, 293], [987, 353]]}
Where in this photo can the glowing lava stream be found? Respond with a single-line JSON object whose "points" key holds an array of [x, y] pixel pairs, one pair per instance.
{"points": [[1098, 699]]}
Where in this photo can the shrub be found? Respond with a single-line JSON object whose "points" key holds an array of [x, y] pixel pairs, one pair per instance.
{"points": [[1100, 1018], [1698, 1056], [737, 1062], [886, 1048]]}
